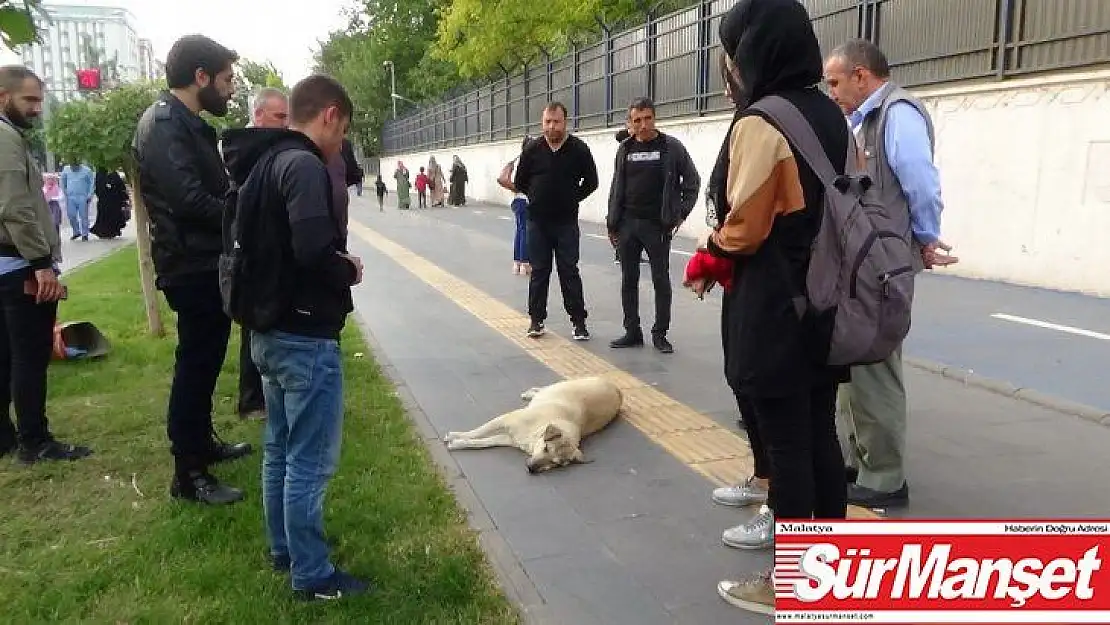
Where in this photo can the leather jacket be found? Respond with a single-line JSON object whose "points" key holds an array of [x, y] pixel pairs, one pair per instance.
{"points": [[184, 185]]}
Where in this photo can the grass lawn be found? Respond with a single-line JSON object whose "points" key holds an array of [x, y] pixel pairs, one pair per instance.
{"points": [[100, 540]]}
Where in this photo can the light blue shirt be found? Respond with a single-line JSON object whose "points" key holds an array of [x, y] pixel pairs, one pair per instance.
{"points": [[79, 182], [910, 157]]}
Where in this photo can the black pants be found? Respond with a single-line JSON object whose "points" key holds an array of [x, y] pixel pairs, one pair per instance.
{"points": [[250, 381], [561, 242], [807, 469], [751, 429], [202, 333], [635, 237], [26, 345]]}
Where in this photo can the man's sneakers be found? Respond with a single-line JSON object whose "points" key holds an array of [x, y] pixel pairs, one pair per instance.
{"points": [[756, 594], [52, 450], [662, 345], [536, 329], [340, 585], [203, 487], [580, 332], [633, 338]]}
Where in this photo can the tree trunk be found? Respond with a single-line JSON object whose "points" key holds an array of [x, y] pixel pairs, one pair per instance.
{"points": [[146, 264]]}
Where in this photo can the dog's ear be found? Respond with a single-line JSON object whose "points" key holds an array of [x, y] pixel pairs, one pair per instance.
{"points": [[551, 433]]}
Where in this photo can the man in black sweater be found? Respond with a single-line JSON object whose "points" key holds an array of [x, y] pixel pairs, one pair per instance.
{"points": [[292, 233], [556, 174], [655, 186]]}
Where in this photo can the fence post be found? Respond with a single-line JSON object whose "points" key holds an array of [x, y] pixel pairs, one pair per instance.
{"points": [[1006, 14], [701, 97], [651, 53], [576, 75], [608, 39]]}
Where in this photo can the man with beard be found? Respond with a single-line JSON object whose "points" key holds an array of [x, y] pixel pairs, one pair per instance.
{"points": [[29, 289], [184, 185]]}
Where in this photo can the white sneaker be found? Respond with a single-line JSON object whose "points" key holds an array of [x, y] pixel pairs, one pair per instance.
{"points": [[758, 533], [754, 595], [745, 494]]}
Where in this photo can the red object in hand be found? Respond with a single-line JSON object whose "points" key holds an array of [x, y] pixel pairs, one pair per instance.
{"points": [[704, 265]]}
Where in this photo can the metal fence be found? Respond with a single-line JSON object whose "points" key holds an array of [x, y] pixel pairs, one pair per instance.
{"points": [[672, 60]]}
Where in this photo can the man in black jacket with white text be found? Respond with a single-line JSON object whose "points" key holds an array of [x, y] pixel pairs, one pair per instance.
{"points": [[557, 174], [655, 186]]}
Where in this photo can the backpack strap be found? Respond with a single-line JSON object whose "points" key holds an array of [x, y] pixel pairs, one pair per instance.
{"points": [[799, 132]]}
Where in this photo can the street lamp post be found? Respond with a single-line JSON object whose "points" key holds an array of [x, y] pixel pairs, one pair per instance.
{"points": [[392, 86]]}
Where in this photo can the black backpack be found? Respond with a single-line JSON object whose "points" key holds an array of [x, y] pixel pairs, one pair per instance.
{"points": [[256, 245]]}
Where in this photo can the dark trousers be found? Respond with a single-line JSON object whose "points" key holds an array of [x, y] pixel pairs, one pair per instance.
{"points": [[751, 429], [202, 333], [798, 432], [635, 237], [558, 241], [26, 345], [250, 381], [422, 199], [520, 236]]}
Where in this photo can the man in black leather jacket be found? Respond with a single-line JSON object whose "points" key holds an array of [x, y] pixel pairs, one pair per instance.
{"points": [[184, 185]]}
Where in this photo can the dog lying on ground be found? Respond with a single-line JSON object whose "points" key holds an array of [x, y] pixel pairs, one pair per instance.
{"points": [[551, 427]]}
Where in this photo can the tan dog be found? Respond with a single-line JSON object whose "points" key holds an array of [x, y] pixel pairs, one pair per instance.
{"points": [[551, 427]]}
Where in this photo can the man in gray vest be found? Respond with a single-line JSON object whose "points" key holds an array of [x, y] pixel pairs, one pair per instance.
{"points": [[896, 135]]}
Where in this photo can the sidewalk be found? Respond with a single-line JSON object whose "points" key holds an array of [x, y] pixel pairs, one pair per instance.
{"points": [[632, 537]]}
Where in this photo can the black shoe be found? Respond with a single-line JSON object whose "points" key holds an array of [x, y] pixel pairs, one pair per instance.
{"points": [[75, 237], [662, 344], [867, 498], [536, 329], [338, 586], [580, 332], [52, 450], [201, 487], [630, 339], [851, 474], [219, 451]]}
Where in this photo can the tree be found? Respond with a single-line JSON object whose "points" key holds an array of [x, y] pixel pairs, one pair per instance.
{"points": [[17, 21], [99, 131], [250, 76]]}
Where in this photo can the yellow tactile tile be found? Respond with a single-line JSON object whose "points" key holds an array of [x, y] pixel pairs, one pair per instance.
{"points": [[693, 438]]}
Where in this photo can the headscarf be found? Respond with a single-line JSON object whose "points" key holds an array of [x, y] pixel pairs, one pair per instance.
{"points": [[774, 48]]}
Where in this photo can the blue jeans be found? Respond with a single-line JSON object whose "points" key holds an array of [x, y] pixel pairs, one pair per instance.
{"points": [[520, 239], [302, 382], [77, 209]]}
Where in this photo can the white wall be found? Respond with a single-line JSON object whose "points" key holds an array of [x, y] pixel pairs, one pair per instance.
{"points": [[1025, 167]]}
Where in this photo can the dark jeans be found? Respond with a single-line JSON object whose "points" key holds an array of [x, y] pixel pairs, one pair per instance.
{"points": [[559, 241], [807, 468], [422, 199], [202, 333], [304, 427], [520, 237], [26, 345], [751, 428], [635, 237], [250, 381]]}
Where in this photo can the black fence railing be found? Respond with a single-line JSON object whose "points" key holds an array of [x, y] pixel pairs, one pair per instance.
{"points": [[671, 59]]}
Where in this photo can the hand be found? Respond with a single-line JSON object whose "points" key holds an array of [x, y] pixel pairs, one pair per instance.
{"points": [[703, 240], [357, 262], [49, 289], [614, 237], [699, 287], [931, 257]]}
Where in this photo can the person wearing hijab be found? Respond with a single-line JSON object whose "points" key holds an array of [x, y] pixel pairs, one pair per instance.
{"points": [[435, 176], [458, 183], [768, 203], [403, 185]]}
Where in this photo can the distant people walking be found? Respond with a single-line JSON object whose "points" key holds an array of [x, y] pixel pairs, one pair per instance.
{"points": [[655, 186], [184, 185], [556, 173], [422, 183], [79, 186], [401, 175], [55, 198], [30, 250], [519, 207], [458, 183], [380, 188], [111, 202], [438, 182]]}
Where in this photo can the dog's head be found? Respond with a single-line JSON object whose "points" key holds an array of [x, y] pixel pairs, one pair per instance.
{"points": [[554, 450]]}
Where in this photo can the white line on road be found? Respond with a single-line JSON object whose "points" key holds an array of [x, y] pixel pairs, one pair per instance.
{"points": [[504, 218], [1052, 326], [605, 238]]}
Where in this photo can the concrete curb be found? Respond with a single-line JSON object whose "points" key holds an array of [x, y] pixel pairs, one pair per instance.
{"points": [[510, 573], [1001, 387]]}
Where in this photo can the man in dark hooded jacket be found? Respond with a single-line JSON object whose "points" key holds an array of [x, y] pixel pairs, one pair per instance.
{"points": [[776, 360]]}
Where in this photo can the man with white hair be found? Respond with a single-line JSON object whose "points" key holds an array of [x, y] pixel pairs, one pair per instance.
{"points": [[269, 109]]}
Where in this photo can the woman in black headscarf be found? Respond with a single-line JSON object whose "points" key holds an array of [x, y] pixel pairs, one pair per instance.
{"points": [[111, 205], [768, 205]]}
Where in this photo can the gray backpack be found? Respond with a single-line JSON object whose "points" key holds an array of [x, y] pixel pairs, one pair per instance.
{"points": [[862, 257]]}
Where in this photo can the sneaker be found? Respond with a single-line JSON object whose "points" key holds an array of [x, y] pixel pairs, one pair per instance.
{"points": [[758, 533], [338, 586], [740, 495], [662, 344], [52, 450], [219, 451], [536, 330], [580, 332], [202, 487], [630, 339], [754, 595]]}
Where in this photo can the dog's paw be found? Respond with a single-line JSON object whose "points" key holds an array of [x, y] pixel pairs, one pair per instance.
{"points": [[529, 394]]}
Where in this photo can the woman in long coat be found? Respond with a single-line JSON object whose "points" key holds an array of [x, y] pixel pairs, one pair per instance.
{"points": [[403, 186], [111, 203], [437, 181], [458, 183]]}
